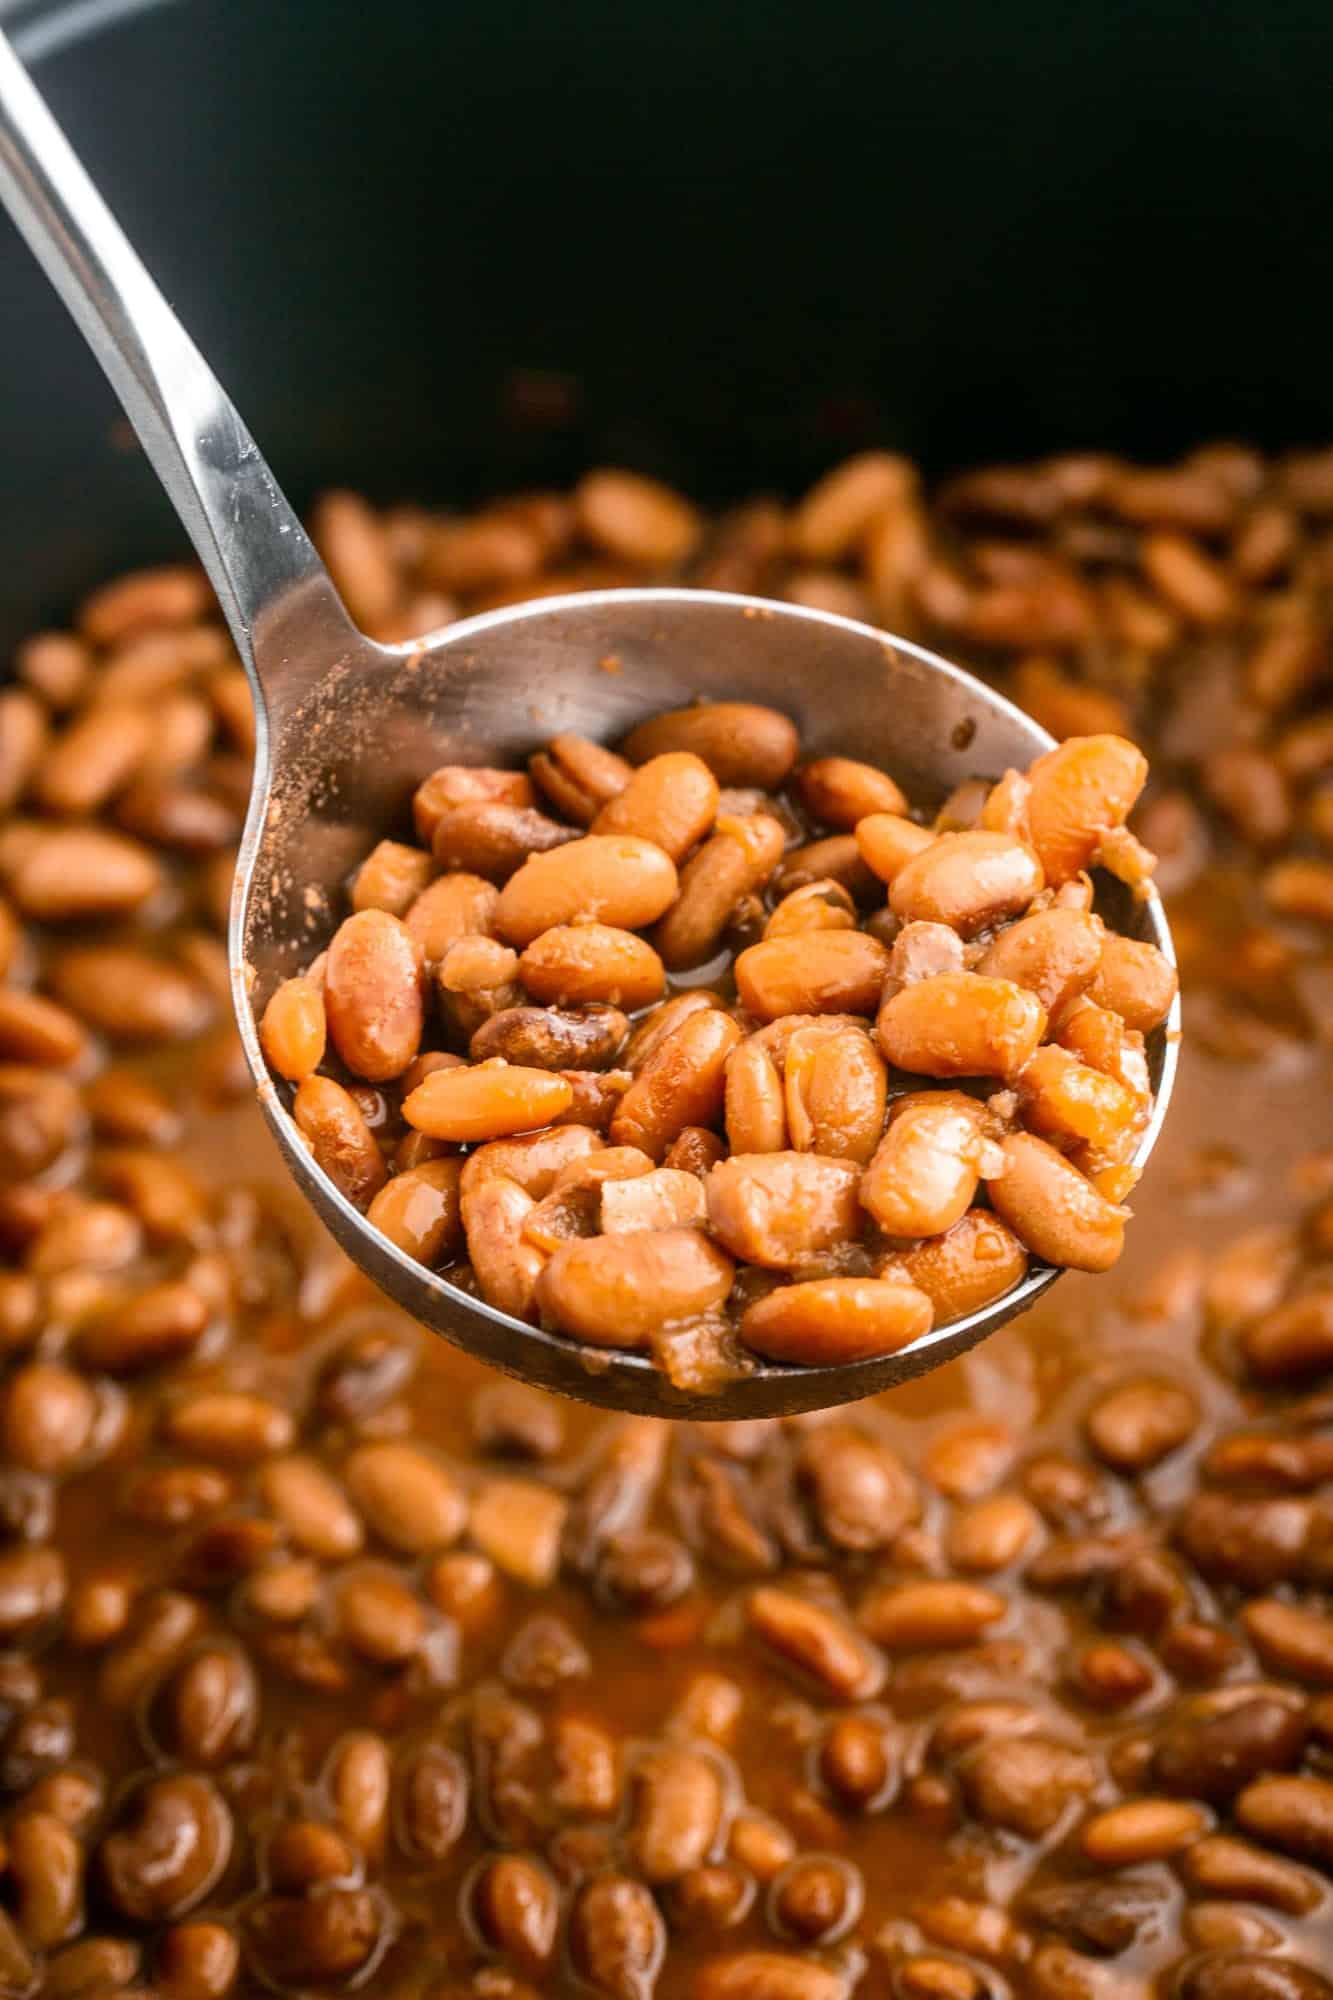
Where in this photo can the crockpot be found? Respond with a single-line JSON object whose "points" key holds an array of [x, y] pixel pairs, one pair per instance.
{"points": [[435, 250]]}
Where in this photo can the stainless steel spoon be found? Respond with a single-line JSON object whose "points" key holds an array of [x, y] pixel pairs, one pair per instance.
{"points": [[348, 727]]}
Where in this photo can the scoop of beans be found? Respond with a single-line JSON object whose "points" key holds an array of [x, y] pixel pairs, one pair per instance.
{"points": [[905, 1103]]}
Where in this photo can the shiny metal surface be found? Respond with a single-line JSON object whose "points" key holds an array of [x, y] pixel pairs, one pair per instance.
{"points": [[347, 728]]}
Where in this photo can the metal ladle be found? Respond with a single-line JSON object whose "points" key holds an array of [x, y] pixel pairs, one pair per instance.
{"points": [[348, 727]]}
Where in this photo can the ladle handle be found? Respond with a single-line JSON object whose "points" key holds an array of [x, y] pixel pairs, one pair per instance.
{"points": [[258, 557]]}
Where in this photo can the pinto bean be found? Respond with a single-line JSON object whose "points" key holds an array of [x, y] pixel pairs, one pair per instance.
{"points": [[1051, 1208], [617, 1938], [975, 1262], [580, 964], [615, 1291], [391, 878], [486, 1101], [827, 1322], [969, 881], [821, 1644], [835, 1086], [817, 906], [768, 1975], [340, 1139], [617, 880], [671, 800], [454, 907], [462, 784], [925, 1171], [778, 1209], [887, 842], [666, 1198], [293, 1029], [1053, 953], [373, 996], [492, 838], [836, 859], [740, 742], [548, 1038], [1077, 795], [735, 862], [676, 1812], [960, 1024], [1136, 982], [1070, 1103], [826, 972], [683, 1082], [409, 1498], [839, 791], [579, 777], [419, 1210]]}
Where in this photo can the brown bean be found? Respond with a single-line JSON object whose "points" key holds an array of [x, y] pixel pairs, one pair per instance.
{"points": [[615, 1291], [665, 1198], [737, 861], [419, 1212], [342, 1143], [391, 878], [373, 996], [821, 1644], [460, 784], [671, 800], [303, 1940], [934, 1612], [1025, 1784], [1292, 1341], [778, 1209], [48, 1417], [168, 595], [969, 881], [94, 758], [549, 1038], [816, 906], [839, 791], [1078, 794], [1247, 1975], [67, 873], [1141, 1422], [228, 1424], [616, 880], [579, 777], [377, 1616], [1053, 953], [835, 1087], [517, 1910], [582, 964], [1291, 1639], [205, 1711], [636, 519], [409, 1498], [161, 1324], [168, 1850], [887, 842], [1142, 1830], [741, 743], [506, 1264], [828, 1322], [767, 1975], [617, 1938], [1134, 981], [836, 859], [293, 1029], [842, 506], [924, 1174], [676, 1813], [960, 1024], [682, 1083], [991, 1534], [1072, 1104], [35, 1030], [755, 1107], [129, 995], [486, 1101], [199, 1960], [454, 907], [46, 1869], [1051, 1208], [311, 1506], [492, 838], [825, 972], [1295, 1813], [1190, 581], [971, 1264], [1219, 1865]]}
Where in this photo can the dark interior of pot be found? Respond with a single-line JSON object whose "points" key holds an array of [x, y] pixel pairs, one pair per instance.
{"points": [[728, 245]]}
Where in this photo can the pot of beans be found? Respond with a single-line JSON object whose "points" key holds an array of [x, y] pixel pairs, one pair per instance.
{"points": [[331, 1661]]}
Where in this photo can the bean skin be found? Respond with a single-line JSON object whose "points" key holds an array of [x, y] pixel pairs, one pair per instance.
{"points": [[612, 879], [741, 743], [1051, 1208], [826, 1322], [547, 1038], [456, 784], [826, 972], [960, 1024], [615, 1291], [490, 838]]}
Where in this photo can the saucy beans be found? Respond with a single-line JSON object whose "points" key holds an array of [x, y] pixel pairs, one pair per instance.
{"points": [[535, 984]]}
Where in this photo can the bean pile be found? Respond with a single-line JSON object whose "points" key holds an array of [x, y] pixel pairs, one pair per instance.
{"points": [[521, 991], [330, 1663]]}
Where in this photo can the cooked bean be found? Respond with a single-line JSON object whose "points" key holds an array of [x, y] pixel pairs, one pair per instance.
{"points": [[1136, 1425], [408, 1497], [887, 842], [840, 791], [637, 519], [161, 1324], [671, 800], [391, 878], [454, 907], [925, 1171], [340, 1139], [486, 1101], [129, 995], [817, 906], [935, 1612], [666, 1198], [755, 1104], [311, 1506], [617, 1938], [1070, 1103], [547, 1038], [1142, 1830], [1219, 1865], [616, 1290], [612, 879], [1292, 1341], [835, 1087], [825, 972], [93, 759], [372, 995], [767, 1975], [1134, 981], [583, 964], [168, 1850], [826, 1322], [836, 859], [66, 873], [1078, 794], [46, 1869], [1295, 1813], [419, 1210], [741, 744], [960, 1024], [579, 777], [969, 881], [293, 1028], [1053, 953], [733, 864], [840, 508], [971, 1264], [461, 784], [676, 1813], [821, 1644], [492, 838], [1051, 1208], [778, 1209], [1291, 1639], [682, 1083]]}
